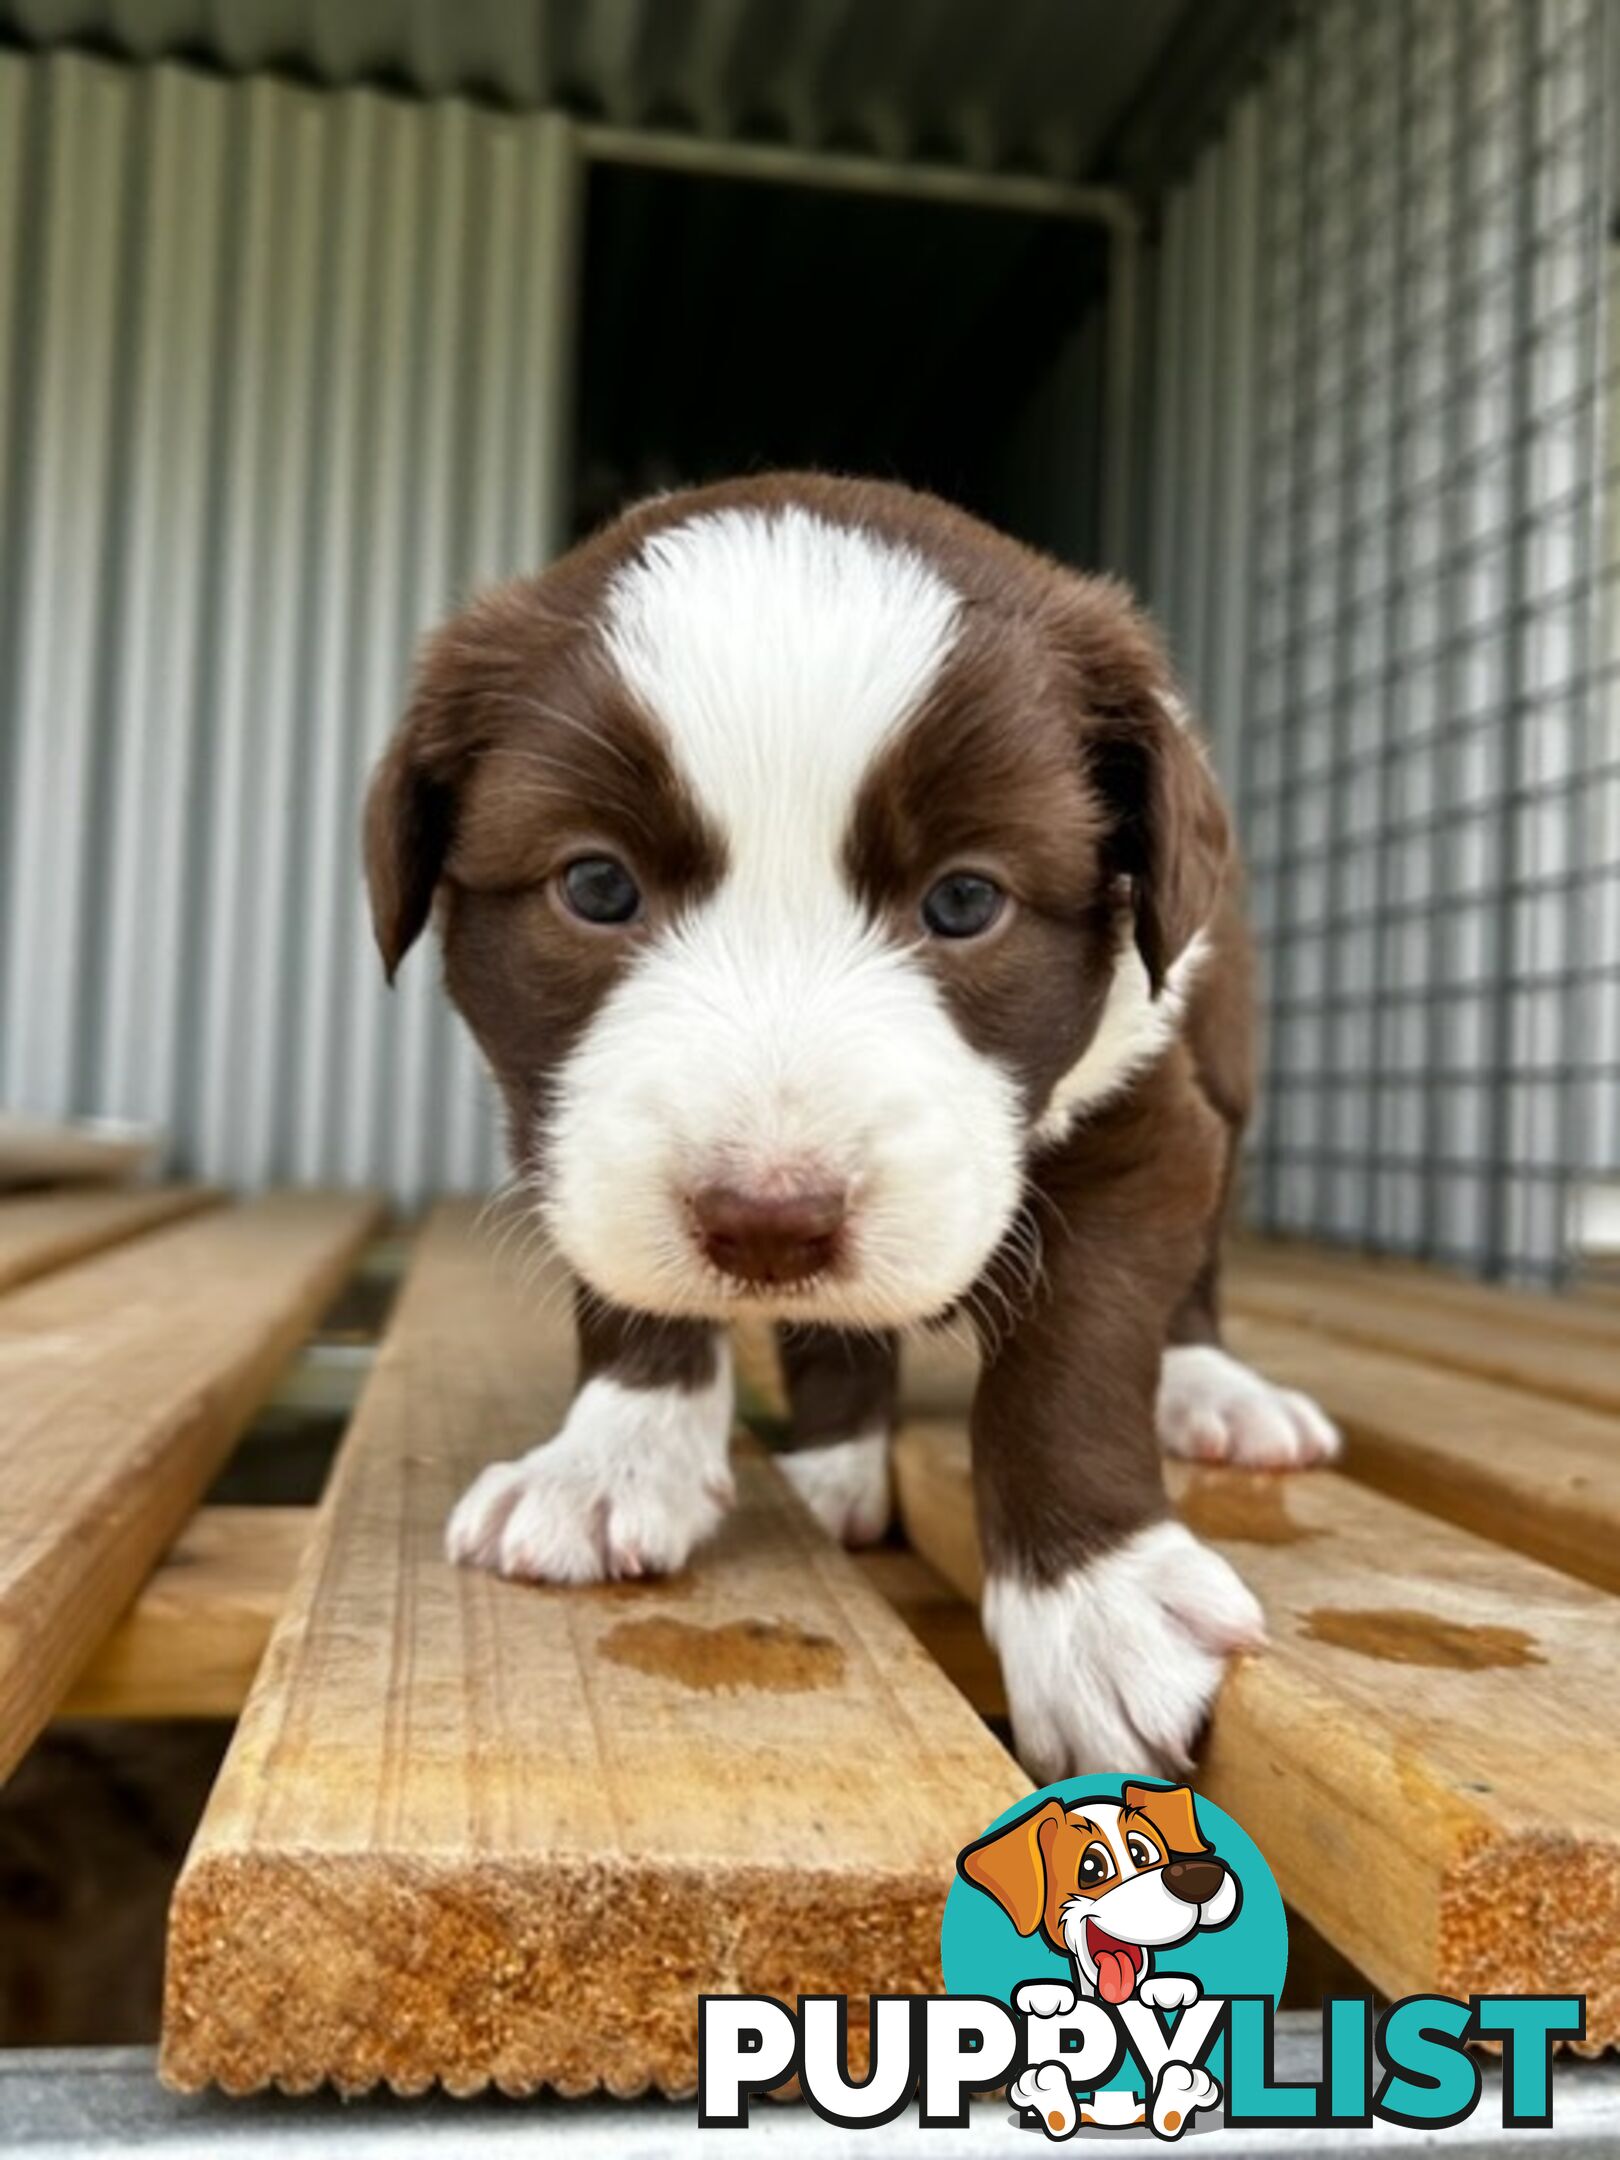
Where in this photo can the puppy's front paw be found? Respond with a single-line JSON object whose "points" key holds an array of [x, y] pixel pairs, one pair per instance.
{"points": [[634, 1481], [1183, 2089], [845, 1485], [1212, 1408], [1115, 1665]]}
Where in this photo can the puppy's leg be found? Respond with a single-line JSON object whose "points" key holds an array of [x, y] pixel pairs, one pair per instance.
{"points": [[1112, 1621], [1213, 1408], [841, 1396], [638, 1474]]}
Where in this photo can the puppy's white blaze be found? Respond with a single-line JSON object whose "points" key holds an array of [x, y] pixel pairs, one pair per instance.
{"points": [[773, 1032], [778, 653], [1136, 1027], [1114, 1666]]}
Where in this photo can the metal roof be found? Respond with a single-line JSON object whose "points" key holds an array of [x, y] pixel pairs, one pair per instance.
{"points": [[1032, 85]]}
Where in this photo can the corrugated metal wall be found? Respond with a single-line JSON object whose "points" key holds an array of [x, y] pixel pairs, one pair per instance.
{"points": [[1382, 434], [281, 375]]}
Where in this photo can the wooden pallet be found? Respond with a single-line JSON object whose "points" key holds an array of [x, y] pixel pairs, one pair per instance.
{"points": [[472, 1833]]}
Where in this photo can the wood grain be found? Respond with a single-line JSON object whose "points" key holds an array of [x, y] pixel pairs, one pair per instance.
{"points": [[473, 1831], [190, 1644], [1504, 1340], [1427, 1754], [43, 1231], [943, 1621], [1540, 1476], [124, 1383], [1564, 1312]]}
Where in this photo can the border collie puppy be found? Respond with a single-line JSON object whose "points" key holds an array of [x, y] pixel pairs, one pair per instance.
{"points": [[846, 910]]}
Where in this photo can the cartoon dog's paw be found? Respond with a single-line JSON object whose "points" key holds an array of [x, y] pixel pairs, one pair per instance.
{"points": [[1168, 1991], [1045, 2088], [1212, 1408], [1182, 2090], [1118, 1661], [1044, 1998], [634, 1481], [845, 1485]]}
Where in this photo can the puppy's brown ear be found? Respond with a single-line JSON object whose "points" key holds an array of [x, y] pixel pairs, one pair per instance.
{"points": [[1173, 1814], [411, 804], [407, 836], [1166, 827], [1011, 1866]]}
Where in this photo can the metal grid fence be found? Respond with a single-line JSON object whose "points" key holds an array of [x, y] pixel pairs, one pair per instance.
{"points": [[1397, 602]]}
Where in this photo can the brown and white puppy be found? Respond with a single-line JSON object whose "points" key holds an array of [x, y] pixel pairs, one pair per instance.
{"points": [[843, 905]]}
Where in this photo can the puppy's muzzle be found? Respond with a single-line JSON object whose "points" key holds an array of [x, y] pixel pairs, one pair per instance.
{"points": [[769, 1240], [1195, 1882]]}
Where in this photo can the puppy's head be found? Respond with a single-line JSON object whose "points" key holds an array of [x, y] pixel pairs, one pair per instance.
{"points": [[1107, 1881], [789, 839]]}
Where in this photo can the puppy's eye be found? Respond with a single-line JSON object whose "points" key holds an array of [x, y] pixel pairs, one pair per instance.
{"points": [[1141, 1852], [600, 890], [1096, 1865], [962, 905]]}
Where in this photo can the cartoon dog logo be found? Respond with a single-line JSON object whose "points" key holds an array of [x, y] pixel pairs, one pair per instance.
{"points": [[1107, 1884]]}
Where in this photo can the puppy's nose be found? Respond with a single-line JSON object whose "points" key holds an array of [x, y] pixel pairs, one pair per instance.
{"points": [[1195, 1882], [769, 1238]]}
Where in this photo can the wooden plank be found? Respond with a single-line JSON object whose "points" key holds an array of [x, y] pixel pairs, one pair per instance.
{"points": [[475, 1831], [943, 1621], [43, 1231], [190, 1644], [93, 1150], [1427, 1754], [1540, 1476], [1415, 1320], [1562, 1312], [125, 1382]]}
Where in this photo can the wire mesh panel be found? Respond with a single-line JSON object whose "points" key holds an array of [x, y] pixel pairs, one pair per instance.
{"points": [[1421, 745]]}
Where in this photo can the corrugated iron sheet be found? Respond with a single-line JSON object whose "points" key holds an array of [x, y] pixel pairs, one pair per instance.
{"points": [[281, 374], [1029, 85]]}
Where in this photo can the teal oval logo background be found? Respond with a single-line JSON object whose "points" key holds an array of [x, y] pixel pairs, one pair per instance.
{"points": [[982, 1953]]}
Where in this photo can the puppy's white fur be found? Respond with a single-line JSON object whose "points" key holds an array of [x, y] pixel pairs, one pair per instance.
{"points": [[635, 1479], [772, 1035], [1213, 1408], [1136, 1027], [845, 1485], [1116, 1664], [1045, 2087]]}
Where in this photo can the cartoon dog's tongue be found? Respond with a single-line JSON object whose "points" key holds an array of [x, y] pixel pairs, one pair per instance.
{"points": [[1117, 1964]]}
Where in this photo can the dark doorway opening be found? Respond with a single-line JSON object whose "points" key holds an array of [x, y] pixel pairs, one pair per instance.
{"points": [[733, 325]]}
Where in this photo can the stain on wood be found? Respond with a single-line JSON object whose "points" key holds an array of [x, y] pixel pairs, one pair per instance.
{"points": [[774, 1656], [1401, 1637]]}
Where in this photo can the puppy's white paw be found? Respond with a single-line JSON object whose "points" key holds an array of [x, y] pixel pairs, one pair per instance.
{"points": [[1044, 1998], [1114, 1666], [845, 1485], [1168, 1991], [1182, 2090], [1045, 2087], [636, 1478], [1212, 1408]]}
